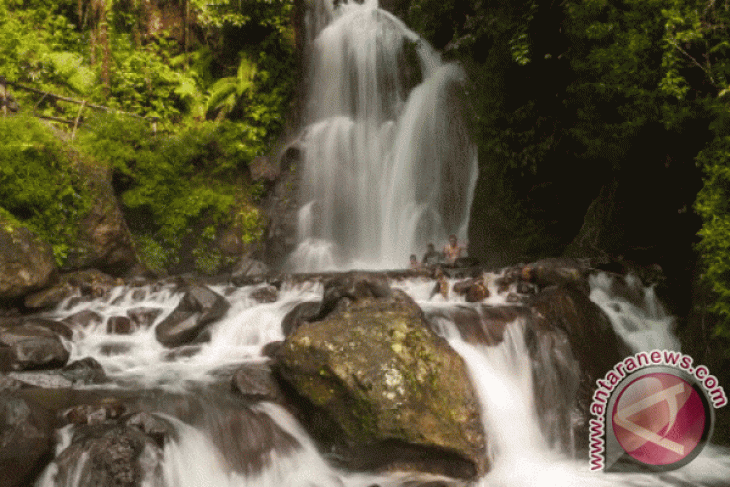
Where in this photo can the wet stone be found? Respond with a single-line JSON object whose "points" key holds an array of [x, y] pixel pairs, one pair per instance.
{"points": [[267, 294], [87, 370], [255, 381], [119, 325], [143, 317], [301, 313], [97, 413], [83, 319], [139, 295], [122, 457], [156, 428], [9, 384], [34, 347], [57, 327], [26, 440]]}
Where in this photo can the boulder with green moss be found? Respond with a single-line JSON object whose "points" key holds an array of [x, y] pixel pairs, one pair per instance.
{"points": [[26, 262], [103, 239], [388, 384]]}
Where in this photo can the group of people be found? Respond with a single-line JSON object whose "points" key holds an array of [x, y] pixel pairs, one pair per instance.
{"points": [[451, 252]]}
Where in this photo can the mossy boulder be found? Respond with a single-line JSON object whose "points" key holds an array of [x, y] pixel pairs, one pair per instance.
{"points": [[26, 262], [104, 241], [383, 377]]}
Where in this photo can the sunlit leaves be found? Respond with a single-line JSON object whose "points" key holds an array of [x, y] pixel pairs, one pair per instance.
{"points": [[39, 184], [713, 205]]}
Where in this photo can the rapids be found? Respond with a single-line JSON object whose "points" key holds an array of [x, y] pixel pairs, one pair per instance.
{"points": [[214, 437]]}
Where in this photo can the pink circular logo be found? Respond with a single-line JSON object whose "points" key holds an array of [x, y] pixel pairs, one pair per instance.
{"points": [[659, 419]]}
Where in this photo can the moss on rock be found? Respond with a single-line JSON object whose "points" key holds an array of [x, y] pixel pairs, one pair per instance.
{"points": [[382, 374]]}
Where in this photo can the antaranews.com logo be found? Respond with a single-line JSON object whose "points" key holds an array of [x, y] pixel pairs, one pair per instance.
{"points": [[653, 411]]}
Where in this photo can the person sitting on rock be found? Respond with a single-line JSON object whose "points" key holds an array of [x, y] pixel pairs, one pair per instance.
{"points": [[431, 257], [453, 250]]}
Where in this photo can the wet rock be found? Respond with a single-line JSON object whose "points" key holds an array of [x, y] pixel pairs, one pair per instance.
{"points": [[49, 379], [151, 425], [87, 370], [119, 325], [104, 455], [26, 440], [474, 290], [104, 241], [566, 327], [247, 268], [6, 358], [143, 317], [83, 319], [301, 313], [271, 348], [10, 384], [34, 347], [477, 292], [139, 295], [106, 409], [248, 440], [26, 263], [267, 294], [50, 297], [198, 307], [352, 287], [390, 385], [556, 271], [57, 327], [256, 382], [92, 282], [462, 287], [483, 324]]}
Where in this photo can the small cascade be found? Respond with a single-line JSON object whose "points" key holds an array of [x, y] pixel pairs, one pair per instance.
{"points": [[635, 312], [388, 165], [138, 357], [510, 377]]}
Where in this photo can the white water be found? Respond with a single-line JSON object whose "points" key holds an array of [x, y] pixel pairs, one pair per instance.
{"points": [[388, 166], [503, 379], [520, 450], [635, 312], [140, 359]]}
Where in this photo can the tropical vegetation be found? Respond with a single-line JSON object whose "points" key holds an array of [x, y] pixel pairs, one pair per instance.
{"points": [[195, 90]]}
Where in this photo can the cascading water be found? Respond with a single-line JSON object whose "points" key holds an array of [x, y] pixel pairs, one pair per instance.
{"points": [[388, 164], [219, 441]]}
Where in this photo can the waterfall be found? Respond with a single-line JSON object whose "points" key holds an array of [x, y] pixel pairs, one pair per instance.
{"points": [[388, 165]]}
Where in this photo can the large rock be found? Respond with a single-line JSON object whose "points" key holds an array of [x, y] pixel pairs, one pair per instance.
{"points": [[376, 369], [87, 284], [34, 347], [571, 344], [26, 440], [198, 307], [26, 263], [110, 455], [104, 240]]}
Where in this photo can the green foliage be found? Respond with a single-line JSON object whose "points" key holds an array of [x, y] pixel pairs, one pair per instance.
{"points": [[713, 205], [179, 180], [39, 184], [221, 97]]}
